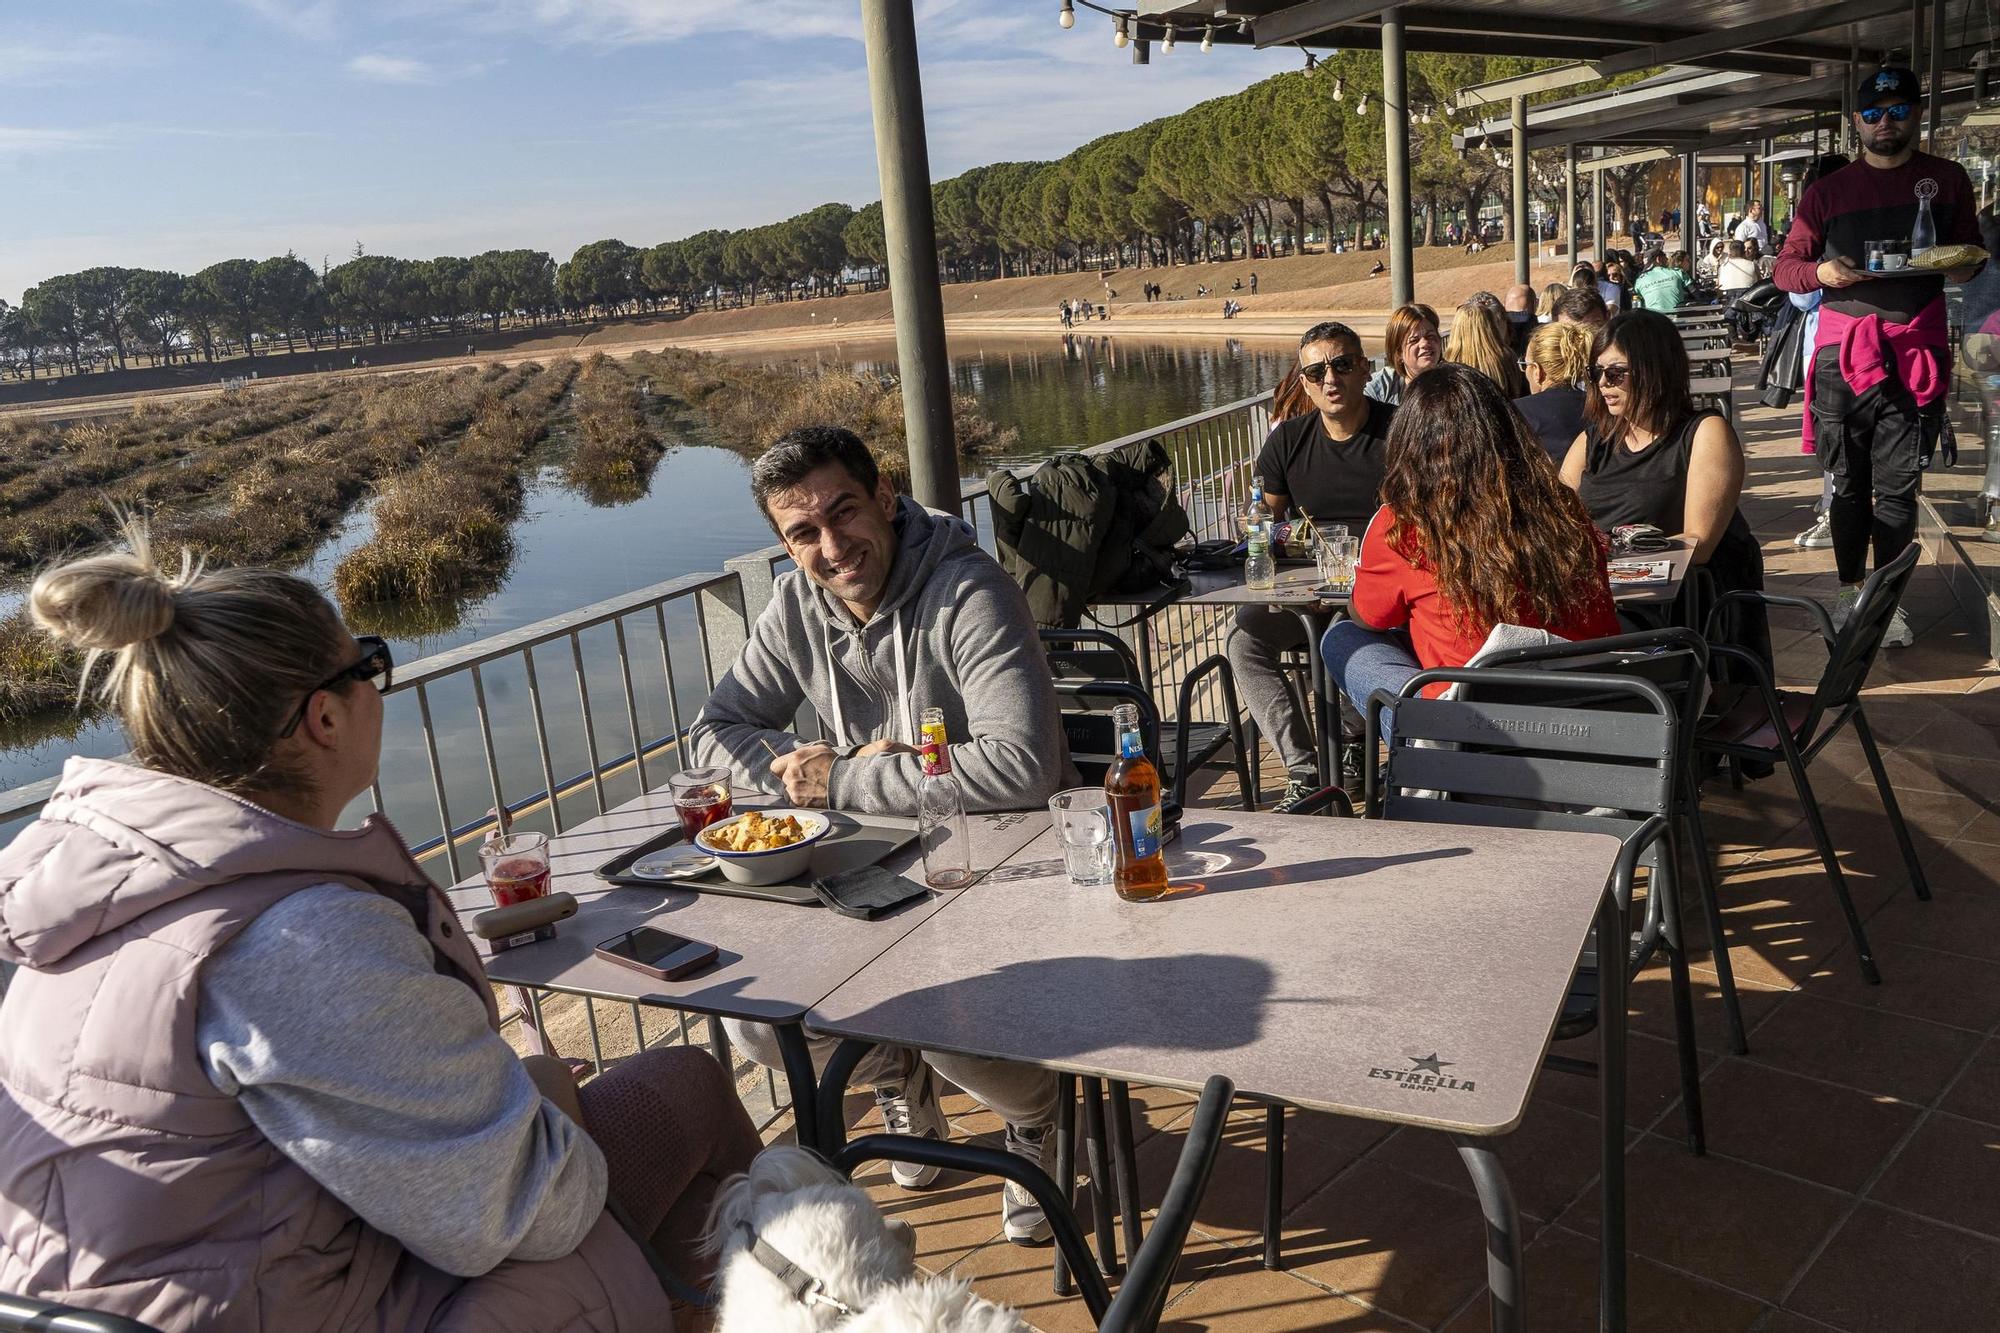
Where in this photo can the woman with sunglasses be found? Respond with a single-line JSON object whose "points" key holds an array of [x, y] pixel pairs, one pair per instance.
{"points": [[1475, 530], [1409, 348], [251, 1075]]}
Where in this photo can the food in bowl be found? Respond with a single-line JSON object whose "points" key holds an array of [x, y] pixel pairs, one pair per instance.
{"points": [[755, 833], [764, 846]]}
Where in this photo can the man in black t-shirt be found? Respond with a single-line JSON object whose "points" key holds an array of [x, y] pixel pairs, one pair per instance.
{"points": [[1326, 464]]}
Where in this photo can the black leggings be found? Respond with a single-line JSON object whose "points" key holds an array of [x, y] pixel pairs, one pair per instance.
{"points": [[1874, 446]]}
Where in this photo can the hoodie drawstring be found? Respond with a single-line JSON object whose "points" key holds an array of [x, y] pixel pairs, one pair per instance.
{"points": [[902, 682]]}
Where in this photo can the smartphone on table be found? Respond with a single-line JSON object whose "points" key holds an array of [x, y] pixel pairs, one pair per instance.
{"points": [[657, 953]]}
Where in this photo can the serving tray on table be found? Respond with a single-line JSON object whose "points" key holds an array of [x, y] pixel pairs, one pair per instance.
{"points": [[853, 841]]}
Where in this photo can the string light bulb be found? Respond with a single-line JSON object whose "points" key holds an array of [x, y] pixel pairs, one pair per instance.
{"points": [[1118, 34], [1339, 86], [1208, 38], [1361, 107], [1068, 16], [1243, 27], [1168, 43], [1312, 62]]}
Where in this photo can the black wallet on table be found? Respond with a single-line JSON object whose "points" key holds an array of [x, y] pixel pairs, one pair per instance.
{"points": [[868, 892]]}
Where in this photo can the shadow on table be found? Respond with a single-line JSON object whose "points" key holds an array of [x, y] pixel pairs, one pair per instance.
{"points": [[1209, 859], [1061, 1009]]}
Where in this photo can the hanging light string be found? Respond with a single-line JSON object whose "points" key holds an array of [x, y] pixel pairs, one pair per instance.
{"points": [[1127, 26]]}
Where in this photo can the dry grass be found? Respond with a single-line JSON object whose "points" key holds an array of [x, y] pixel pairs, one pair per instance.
{"points": [[616, 447], [443, 529], [748, 406], [38, 675]]}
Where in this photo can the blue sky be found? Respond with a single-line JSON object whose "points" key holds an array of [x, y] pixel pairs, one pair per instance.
{"points": [[173, 133]]}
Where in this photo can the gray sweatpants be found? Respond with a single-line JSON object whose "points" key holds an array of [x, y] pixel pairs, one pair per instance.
{"points": [[1022, 1095], [1255, 647]]}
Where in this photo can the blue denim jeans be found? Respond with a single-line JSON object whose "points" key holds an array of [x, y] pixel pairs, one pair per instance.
{"points": [[1364, 660]]}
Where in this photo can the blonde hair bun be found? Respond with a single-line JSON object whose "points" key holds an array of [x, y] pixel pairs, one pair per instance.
{"points": [[105, 602]]}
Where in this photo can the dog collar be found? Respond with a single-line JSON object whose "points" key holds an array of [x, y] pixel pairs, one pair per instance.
{"points": [[804, 1287]]}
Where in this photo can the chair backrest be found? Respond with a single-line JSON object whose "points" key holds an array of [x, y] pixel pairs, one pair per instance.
{"points": [[1092, 735], [1674, 659], [1090, 654], [25, 1314], [1518, 764], [1142, 1296], [1851, 656]]}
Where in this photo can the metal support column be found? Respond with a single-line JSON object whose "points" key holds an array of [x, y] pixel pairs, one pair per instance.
{"points": [[1917, 37], [1570, 252], [1519, 201], [1934, 96], [1689, 160], [1597, 228], [1766, 173], [1396, 128], [889, 31]]}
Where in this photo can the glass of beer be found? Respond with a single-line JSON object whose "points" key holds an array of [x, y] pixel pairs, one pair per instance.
{"points": [[516, 866], [701, 798]]}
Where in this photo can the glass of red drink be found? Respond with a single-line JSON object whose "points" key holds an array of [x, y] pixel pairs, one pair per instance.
{"points": [[517, 867], [701, 796]]}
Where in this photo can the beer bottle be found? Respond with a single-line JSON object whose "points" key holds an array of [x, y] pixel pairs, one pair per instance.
{"points": [[1132, 787], [941, 811]]}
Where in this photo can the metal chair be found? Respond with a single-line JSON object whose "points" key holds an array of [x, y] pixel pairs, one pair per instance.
{"points": [[1095, 668], [1592, 770], [1676, 660], [25, 1314], [1760, 723], [1149, 1279]]}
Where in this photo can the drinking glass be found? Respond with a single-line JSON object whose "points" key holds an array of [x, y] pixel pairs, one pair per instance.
{"points": [[516, 866], [1083, 825], [701, 798]]}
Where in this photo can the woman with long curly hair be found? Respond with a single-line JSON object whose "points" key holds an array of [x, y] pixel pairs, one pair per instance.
{"points": [[1481, 339], [1476, 529]]}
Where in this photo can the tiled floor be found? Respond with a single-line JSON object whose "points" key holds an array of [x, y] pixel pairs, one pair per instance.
{"points": [[1852, 1179]]}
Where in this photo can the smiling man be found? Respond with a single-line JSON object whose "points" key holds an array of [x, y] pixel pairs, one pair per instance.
{"points": [[893, 609], [1327, 464], [1882, 352]]}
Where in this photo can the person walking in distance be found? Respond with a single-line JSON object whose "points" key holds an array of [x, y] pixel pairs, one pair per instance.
{"points": [[1882, 354]]}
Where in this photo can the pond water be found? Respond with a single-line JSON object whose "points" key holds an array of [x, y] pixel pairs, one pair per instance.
{"points": [[1057, 393]]}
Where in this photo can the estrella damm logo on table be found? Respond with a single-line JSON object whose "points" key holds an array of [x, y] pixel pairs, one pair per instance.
{"points": [[1426, 1075]]}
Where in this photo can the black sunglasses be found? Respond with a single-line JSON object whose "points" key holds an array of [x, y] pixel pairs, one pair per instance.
{"points": [[376, 664], [1340, 365], [1613, 375], [1896, 111]]}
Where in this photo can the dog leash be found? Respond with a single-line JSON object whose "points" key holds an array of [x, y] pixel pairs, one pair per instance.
{"points": [[804, 1287]]}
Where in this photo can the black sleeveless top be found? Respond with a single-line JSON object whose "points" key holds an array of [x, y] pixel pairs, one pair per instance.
{"points": [[1649, 486]]}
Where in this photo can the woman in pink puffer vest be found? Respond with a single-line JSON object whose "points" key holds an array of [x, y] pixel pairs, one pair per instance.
{"points": [[251, 1076]]}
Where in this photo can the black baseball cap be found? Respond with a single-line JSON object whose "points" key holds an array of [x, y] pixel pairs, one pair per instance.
{"points": [[1890, 83]]}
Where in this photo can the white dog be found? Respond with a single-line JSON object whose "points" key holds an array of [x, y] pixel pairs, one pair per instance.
{"points": [[803, 1249]]}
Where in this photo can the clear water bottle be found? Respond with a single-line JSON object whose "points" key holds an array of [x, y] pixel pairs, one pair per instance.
{"points": [[1258, 512], [941, 811], [1260, 568], [1923, 235]]}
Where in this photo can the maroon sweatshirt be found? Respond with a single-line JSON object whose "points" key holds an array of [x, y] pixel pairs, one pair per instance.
{"points": [[1842, 212]]}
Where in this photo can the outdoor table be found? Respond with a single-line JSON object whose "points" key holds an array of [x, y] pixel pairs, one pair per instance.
{"points": [[1681, 554], [1402, 972], [1293, 592], [776, 959]]}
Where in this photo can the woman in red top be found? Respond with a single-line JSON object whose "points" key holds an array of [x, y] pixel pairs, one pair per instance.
{"points": [[1476, 529]]}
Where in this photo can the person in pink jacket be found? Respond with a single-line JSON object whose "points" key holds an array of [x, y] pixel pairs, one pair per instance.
{"points": [[251, 1075]]}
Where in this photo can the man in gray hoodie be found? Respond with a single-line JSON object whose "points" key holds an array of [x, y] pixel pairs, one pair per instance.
{"points": [[893, 609]]}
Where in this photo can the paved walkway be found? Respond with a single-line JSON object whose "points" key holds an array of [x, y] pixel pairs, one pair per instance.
{"points": [[1853, 1175]]}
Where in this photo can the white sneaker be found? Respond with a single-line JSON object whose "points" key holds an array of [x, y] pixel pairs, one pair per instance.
{"points": [[1899, 633], [1843, 608], [1021, 1218], [912, 1108], [1992, 532], [1817, 537]]}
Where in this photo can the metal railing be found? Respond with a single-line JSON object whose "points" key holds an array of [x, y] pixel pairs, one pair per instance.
{"points": [[566, 718]]}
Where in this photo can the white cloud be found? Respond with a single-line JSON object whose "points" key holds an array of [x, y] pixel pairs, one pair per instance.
{"points": [[311, 19], [377, 67], [30, 59], [22, 141]]}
